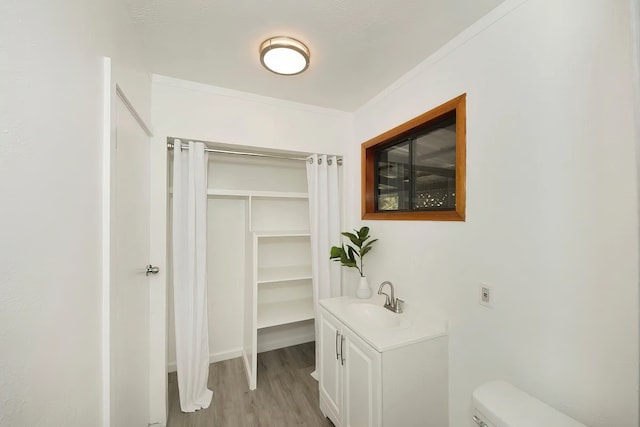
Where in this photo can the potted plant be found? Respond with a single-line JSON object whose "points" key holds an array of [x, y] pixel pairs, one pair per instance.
{"points": [[352, 255]]}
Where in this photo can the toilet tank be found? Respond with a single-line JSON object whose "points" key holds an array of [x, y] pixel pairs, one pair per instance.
{"points": [[499, 404]]}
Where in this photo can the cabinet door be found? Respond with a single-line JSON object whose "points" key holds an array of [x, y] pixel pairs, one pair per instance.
{"points": [[362, 383], [330, 369]]}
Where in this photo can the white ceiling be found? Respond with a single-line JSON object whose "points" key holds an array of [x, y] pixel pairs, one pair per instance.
{"points": [[358, 47]]}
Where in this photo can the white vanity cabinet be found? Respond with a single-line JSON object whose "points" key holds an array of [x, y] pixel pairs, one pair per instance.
{"points": [[361, 381], [350, 376], [367, 383], [330, 366]]}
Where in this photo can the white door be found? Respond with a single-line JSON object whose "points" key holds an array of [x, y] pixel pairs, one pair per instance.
{"points": [[129, 295], [330, 367], [362, 383]]}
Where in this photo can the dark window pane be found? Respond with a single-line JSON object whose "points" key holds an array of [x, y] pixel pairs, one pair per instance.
{"points": [[393, 187], [434, 168]]}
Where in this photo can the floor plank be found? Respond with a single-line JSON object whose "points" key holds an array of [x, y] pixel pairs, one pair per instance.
{"points": [[286, 394]]}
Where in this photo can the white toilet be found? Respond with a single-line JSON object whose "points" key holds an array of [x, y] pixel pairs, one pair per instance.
{"points": [[499, 404]]}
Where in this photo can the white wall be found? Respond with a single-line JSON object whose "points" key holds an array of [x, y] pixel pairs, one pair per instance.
{"points": [[551, 208], [191, 110], [50, 219]]}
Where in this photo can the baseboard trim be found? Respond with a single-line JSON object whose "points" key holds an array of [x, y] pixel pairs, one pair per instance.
{"points": [[263, 345]]}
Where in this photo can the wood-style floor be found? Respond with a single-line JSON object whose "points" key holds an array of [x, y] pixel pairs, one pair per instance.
{"points": [[286, 394]]}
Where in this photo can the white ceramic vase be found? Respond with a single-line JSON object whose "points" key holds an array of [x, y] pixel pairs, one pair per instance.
{"points": [[363, 288]]}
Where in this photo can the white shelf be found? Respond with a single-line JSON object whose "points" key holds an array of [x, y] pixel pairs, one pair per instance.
{"points": [[258, 194], [282, 233], [283, 274], [283, 312]]}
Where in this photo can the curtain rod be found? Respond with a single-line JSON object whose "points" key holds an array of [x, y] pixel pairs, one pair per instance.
{"points": [[170, 146]]}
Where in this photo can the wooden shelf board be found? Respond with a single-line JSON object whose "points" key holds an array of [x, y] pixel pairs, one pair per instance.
{"points": [[284, 312]]}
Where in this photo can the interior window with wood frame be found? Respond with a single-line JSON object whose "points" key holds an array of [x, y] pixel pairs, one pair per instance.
{"points": [[416, 171]]}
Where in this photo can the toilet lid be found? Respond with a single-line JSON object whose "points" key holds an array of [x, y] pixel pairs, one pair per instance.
{"points": [[507, 406]]}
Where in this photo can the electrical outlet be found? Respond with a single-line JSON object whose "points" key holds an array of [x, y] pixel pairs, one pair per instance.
{"points": [[485, 295]]}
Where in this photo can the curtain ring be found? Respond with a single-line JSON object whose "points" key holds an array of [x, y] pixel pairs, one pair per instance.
{"points": [[310, 160], [329, 162], [319, 160]]}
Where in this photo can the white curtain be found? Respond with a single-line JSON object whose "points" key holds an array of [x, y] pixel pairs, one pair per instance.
{"points": [[190, 275], [323, 180]]}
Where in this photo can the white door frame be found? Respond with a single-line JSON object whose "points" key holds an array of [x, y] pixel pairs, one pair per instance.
{"points": [[158, 387], [157, 376], [635, 57]]}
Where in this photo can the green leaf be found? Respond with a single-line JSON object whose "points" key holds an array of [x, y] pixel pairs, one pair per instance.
{"points": [[354, 239], [352, 253], [344, 257], [336, 253], [363, 233], [369, 244], [349, 235], [347, 258], [350, 264]]}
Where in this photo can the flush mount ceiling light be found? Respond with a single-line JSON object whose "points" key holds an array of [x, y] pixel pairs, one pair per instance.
{"points": [[284, 55]]}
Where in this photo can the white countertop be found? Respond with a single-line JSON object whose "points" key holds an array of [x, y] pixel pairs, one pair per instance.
{"points": [[417, 325]]}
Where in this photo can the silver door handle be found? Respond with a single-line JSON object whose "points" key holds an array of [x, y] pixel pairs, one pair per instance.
{"points": [[337, 352], [151, 269], [342, 350]]}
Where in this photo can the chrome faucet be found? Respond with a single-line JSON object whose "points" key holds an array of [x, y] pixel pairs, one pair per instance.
{"points": [[391, 302]]}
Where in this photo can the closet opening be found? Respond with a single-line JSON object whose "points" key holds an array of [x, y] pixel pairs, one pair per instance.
{"points": [[259, 256]]}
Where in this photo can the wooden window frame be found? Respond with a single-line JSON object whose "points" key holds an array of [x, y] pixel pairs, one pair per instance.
{"points": [[414, 125]]}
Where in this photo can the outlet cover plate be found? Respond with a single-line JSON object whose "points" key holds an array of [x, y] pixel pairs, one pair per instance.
{"points": [[485, 295]]}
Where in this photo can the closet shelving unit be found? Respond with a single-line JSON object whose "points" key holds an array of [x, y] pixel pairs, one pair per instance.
{"points": [[278, 292], [278, 289], [291, 299]]}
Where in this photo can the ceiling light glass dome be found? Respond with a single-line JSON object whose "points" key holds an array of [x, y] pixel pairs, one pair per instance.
{"points": [[284, 55]]}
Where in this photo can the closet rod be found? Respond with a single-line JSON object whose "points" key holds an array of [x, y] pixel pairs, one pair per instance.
{"points": [[240, 153], [170, 146]]}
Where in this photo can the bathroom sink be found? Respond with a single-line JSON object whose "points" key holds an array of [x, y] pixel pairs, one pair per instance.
{"points": [[377, 316], [383, 329]]}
